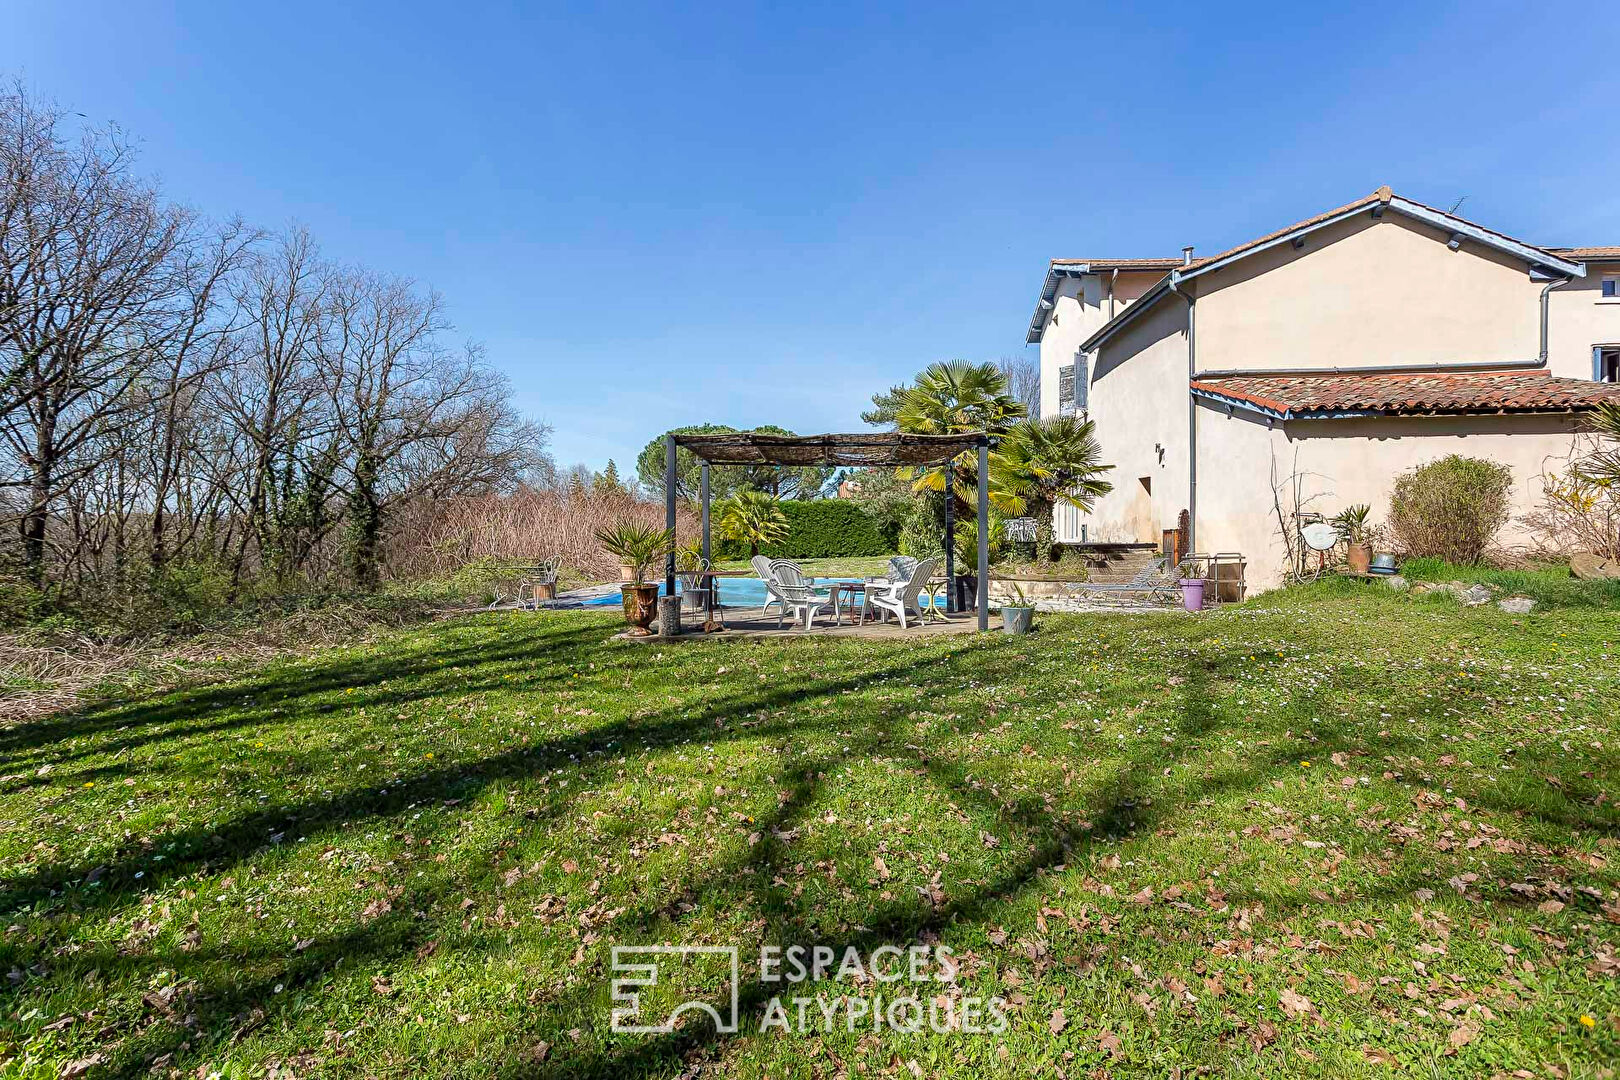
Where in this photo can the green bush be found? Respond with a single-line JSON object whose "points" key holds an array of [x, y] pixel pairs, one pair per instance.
{"points": [[1451, 508], [820, 529]]}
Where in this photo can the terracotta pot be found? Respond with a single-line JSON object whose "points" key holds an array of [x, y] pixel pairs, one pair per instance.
{"points": [[1359, 556], [627, 574], [640, 606]]}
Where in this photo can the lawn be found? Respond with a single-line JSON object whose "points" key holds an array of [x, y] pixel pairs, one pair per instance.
{"points": [[1337, 831]]}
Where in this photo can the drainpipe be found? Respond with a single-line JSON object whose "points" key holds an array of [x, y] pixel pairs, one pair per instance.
{"points": [[1545, 318], [1113, 289], [1192, 411]]}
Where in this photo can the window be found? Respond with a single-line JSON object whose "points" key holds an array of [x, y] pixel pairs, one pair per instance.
{"points": [[1606, 363], [1611, 286]]}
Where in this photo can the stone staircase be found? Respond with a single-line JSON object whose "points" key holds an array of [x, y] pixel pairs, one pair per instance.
{"points": [[1117, 565]]}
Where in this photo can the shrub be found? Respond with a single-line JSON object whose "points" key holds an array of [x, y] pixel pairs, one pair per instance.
{"points": [[1450, 508], [820, 529], [1576, 513]]}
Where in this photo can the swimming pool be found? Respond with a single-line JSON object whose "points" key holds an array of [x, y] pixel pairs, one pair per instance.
{"points": [[735, 592]]}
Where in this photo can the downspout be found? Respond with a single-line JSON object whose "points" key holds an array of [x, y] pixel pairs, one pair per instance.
{"points": [[1192, 417], [1113, 289], [1545, 317]]}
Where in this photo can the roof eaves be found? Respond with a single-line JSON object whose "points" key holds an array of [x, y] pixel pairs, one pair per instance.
{"points": [[1056, 269], [1489, 237]]}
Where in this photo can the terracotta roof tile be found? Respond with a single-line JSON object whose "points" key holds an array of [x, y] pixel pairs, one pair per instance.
{"points": [[1417, 393], [1611, 252]]}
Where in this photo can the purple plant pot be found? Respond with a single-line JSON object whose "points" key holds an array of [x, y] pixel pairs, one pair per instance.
{"points": [[1192, 594]]}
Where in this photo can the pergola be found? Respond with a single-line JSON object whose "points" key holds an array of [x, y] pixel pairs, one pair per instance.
{"points": [[879, 448]]}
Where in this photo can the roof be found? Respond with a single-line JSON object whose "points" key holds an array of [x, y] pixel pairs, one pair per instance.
{"points": [[1058, 269], [1291, 397], [859, 448], [1542, 259], [1611, 252]]}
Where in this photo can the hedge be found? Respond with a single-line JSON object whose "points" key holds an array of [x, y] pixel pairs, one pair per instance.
{"points": [[820, 529]]}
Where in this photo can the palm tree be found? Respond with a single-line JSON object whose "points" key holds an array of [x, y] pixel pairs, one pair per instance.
{"points": [[954, 398], [752, 516], [1603, 466], [1045, 462]]}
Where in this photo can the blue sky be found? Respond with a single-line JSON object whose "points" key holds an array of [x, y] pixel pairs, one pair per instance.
{"points": [[653, 216]]}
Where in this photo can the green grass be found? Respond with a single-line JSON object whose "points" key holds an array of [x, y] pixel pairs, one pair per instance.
{"points": [[1549, 586], [413, 858]]}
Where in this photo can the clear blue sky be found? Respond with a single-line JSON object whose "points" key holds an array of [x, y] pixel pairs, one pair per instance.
{"points": [[655, 216]]}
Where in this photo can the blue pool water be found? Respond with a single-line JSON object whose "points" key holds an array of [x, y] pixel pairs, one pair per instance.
{"points": [[737, 592]]}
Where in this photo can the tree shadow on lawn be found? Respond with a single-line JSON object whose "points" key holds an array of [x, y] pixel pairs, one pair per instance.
{"points": [[1115, 806], [150, 714], [748, 881]]}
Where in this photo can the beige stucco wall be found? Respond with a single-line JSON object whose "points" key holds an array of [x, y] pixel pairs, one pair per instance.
{"points": [[1579, 318], [1345, 462], [1079, 310], [1365, 293], [1139, 400]]}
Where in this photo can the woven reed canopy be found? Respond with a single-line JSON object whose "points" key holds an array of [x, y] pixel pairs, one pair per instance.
{"points": [[860, 448]]}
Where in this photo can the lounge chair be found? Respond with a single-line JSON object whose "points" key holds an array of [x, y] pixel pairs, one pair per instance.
{"points": [[1155, 580], [901, 567], [897, 596]]}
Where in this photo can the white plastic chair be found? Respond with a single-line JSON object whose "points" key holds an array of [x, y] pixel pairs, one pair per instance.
{"points": [[899, 595], [762, 567], [797, 594]]}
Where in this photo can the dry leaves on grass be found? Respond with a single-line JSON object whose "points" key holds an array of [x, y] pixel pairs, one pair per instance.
{"points": [[1297, 1006], [1057, 1022]]}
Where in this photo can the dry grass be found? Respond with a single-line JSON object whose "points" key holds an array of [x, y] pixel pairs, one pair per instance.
{"points": [[42, 674], [441, 537]]}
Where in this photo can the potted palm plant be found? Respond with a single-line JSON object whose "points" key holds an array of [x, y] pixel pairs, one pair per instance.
{"points": [[639, 547], [1352, 525]]}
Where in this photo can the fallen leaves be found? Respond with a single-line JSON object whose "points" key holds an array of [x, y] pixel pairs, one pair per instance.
{"points": [[1297, 1006], [1057, 1022]]}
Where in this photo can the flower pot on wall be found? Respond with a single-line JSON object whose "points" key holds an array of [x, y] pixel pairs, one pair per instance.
{"points": [[627, 574], [640, 606], [1359, 557]]}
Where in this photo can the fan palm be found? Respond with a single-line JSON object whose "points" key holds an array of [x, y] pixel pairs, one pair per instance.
{"points": [[1603, 466], [954, 398], [1042, 463], [753, 517]]}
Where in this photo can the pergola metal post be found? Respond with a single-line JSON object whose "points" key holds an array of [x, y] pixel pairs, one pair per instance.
{"points": [[703, 487], [669, 511], [950, 536], [984, 534]]}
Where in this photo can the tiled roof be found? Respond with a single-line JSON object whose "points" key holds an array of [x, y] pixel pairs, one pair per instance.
{"points": [[1383, 194], [1610, 252], [1417, 393]]}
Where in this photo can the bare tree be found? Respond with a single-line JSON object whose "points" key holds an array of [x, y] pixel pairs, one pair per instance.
{"points": [[88, 296], [269, 390], [1023, 381], [410, 417]]}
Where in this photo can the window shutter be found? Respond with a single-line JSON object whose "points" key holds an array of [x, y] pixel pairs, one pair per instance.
{"points": [[1066, 391], [1082, 382]]}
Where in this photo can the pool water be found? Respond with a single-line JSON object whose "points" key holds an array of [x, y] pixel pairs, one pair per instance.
{"points": [[738, 592]]}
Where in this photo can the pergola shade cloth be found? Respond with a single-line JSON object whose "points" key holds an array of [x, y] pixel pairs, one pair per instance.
{"points": [[858, 449], [889, 448]]}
